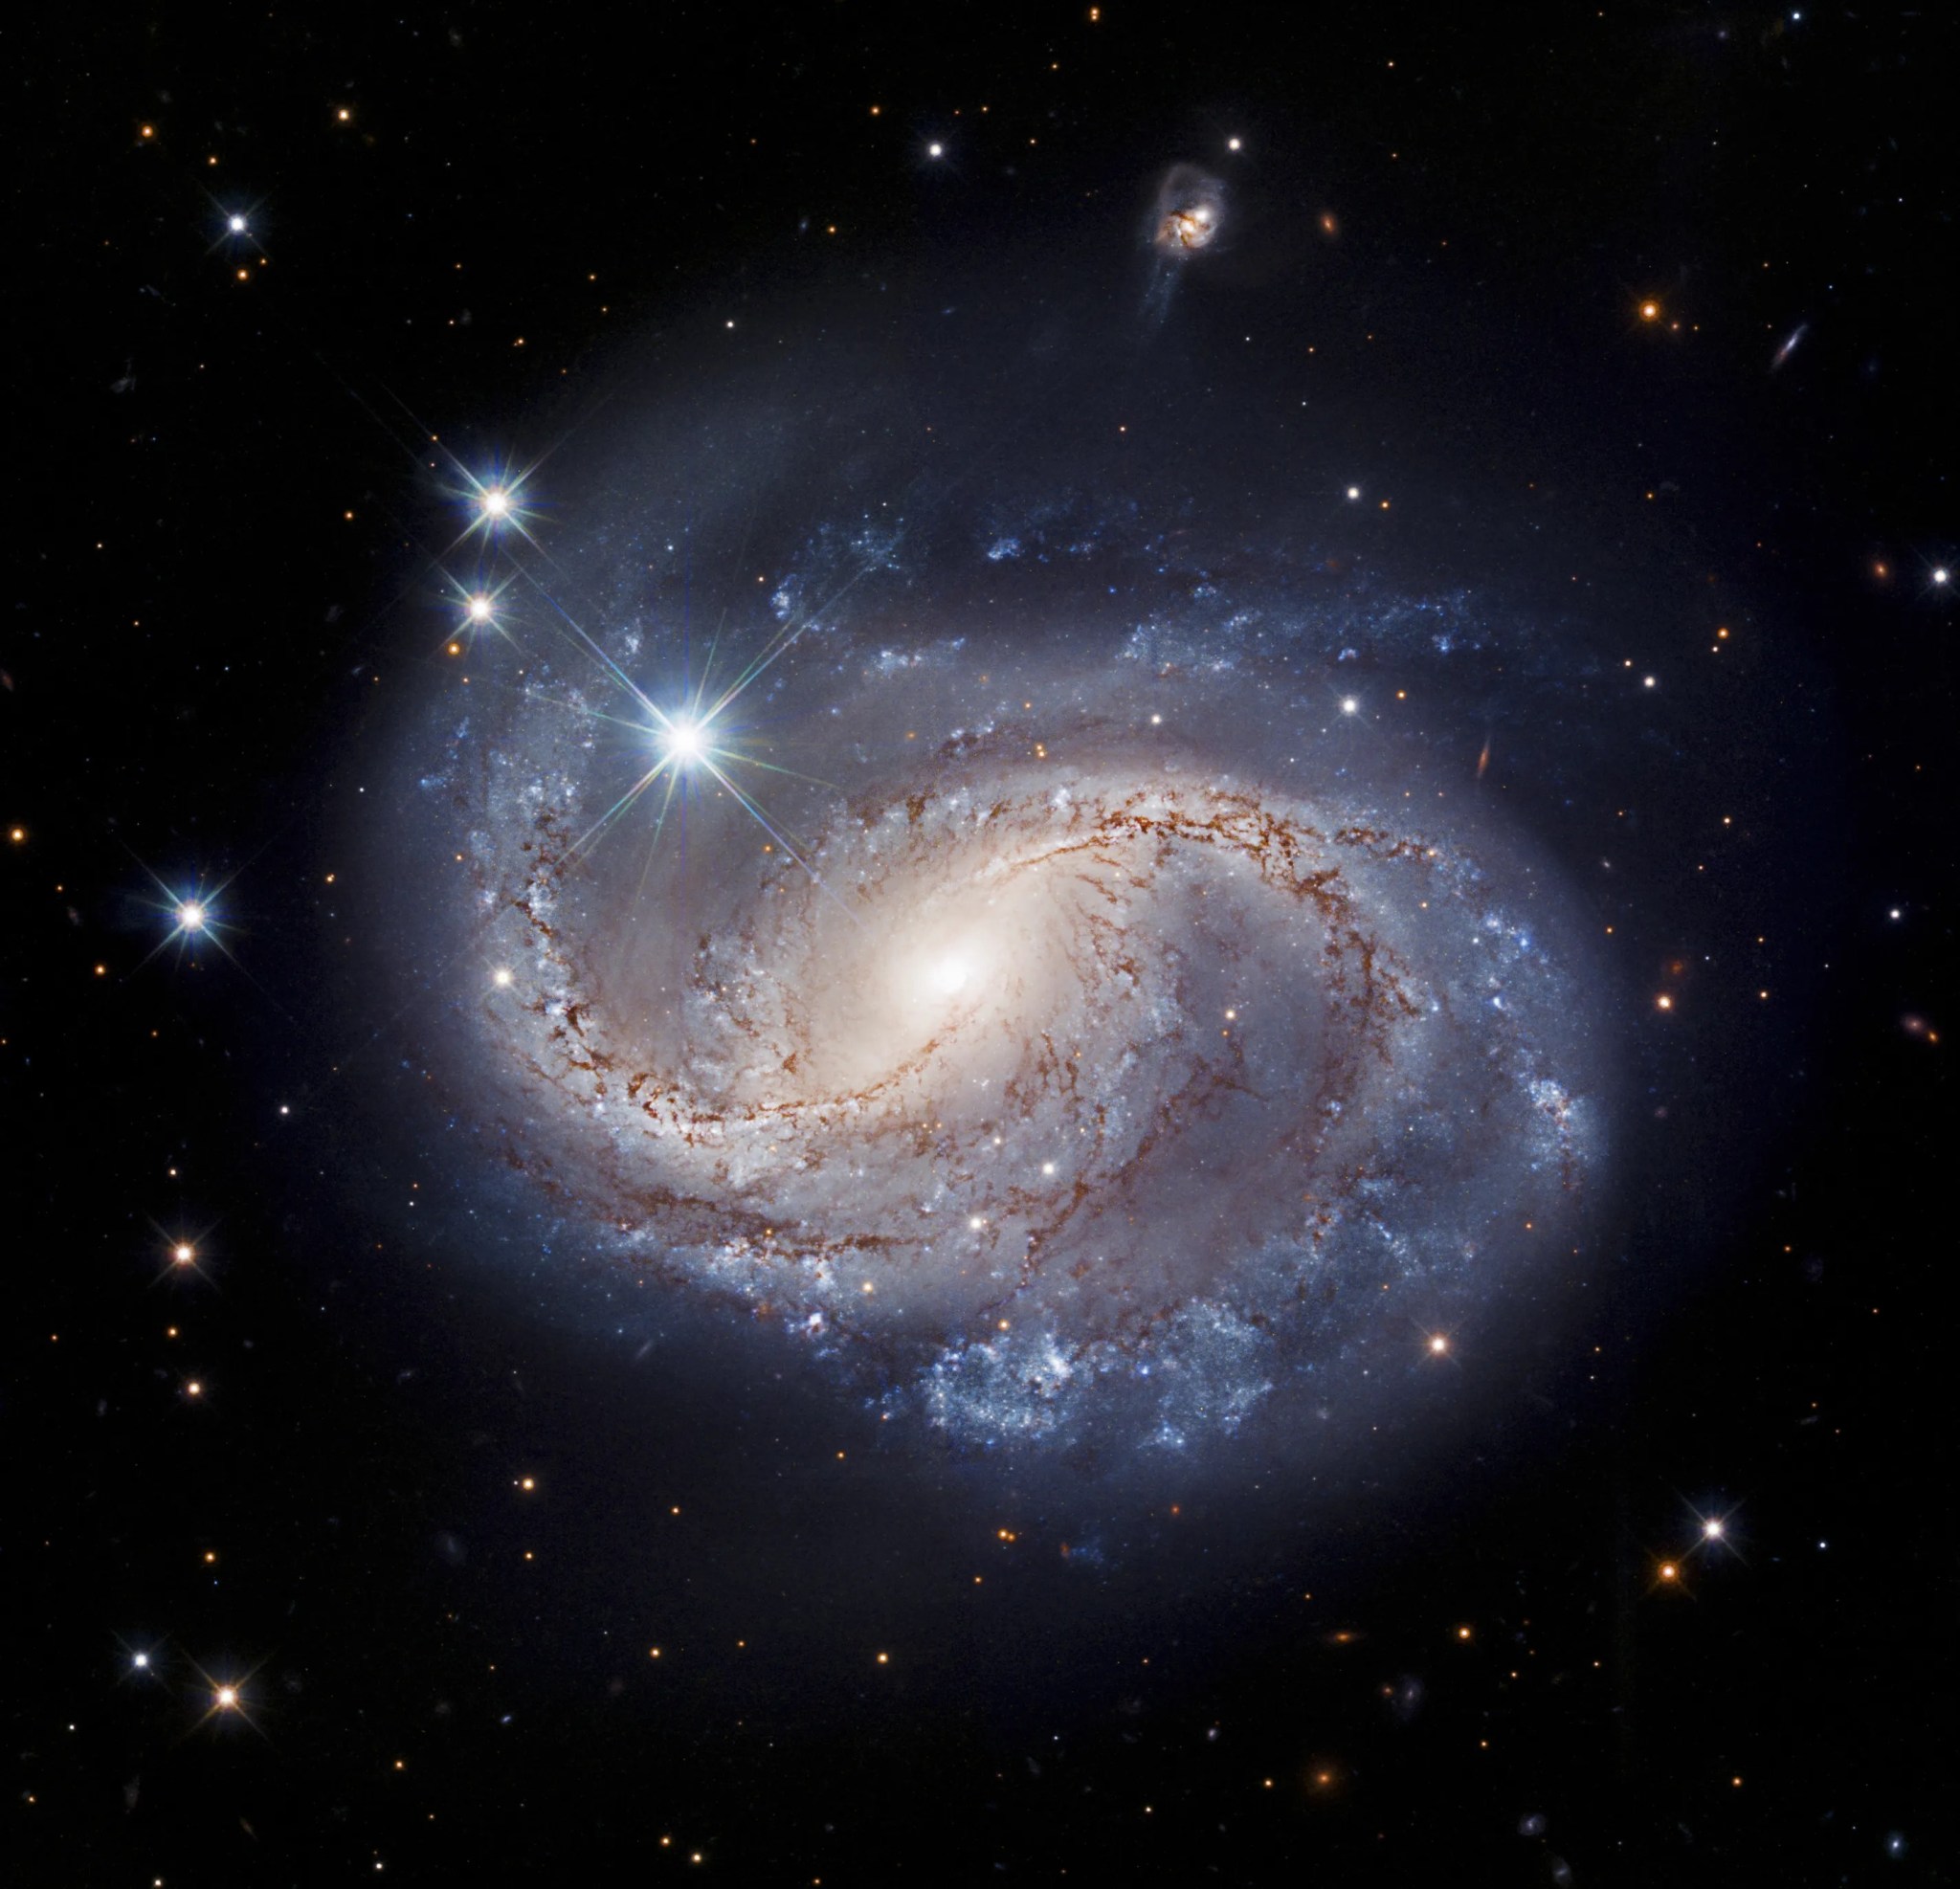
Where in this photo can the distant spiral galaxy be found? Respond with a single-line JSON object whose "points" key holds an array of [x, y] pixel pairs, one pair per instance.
{"points": [[1029, 946]]}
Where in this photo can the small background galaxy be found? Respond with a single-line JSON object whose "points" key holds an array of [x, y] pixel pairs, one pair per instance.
{"points": [[980, 947]]}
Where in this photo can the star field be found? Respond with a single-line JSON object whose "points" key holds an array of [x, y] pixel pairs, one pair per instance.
{"points": [[964, 948]]}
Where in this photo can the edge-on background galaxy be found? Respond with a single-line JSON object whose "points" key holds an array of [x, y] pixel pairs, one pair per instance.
{"points": [[1004, 909]]}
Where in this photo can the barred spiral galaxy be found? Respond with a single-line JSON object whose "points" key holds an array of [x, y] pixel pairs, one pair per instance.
{"points": [[1097, 1058], [1076, 996]]}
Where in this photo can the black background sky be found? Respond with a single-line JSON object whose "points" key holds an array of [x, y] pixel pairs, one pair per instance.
{"points": [[458, 217]]}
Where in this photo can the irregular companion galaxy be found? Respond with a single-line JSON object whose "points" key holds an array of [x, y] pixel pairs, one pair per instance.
{"points": [[1190, 212]]}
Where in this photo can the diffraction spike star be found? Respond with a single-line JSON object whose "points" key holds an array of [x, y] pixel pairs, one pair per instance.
{"points": [[191, 915], [479, 609], [700, 738], [1715, 1532], [194, 917], [237, 227], [182, 1255], [225, 1699], [495, 503]]}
